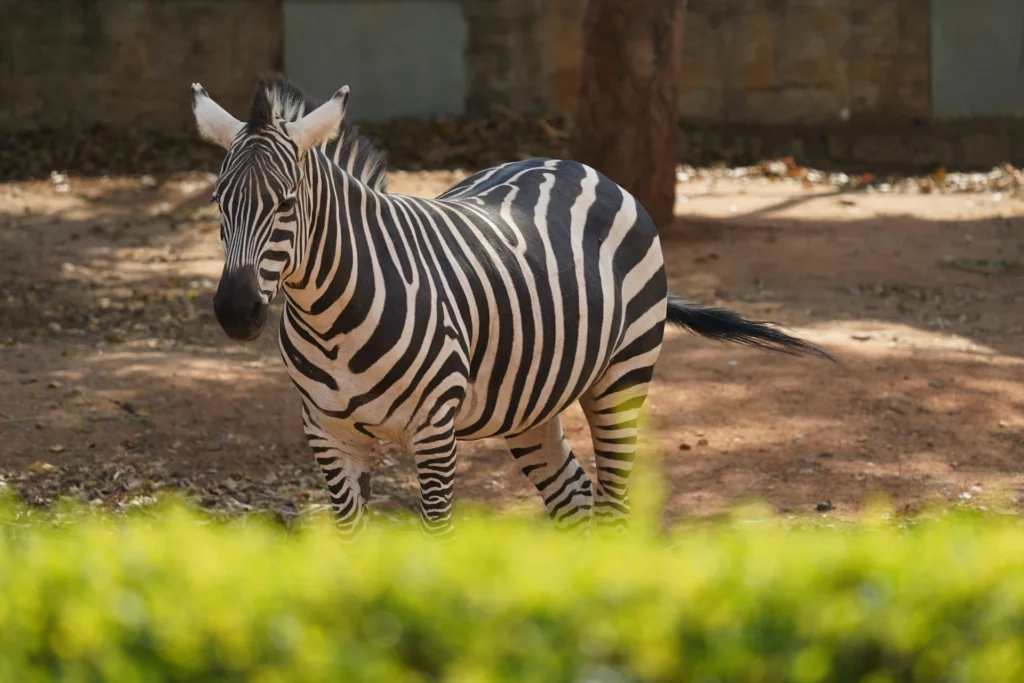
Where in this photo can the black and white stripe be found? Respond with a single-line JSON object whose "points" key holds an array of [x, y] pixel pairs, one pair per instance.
{"points": [[482, 313]]}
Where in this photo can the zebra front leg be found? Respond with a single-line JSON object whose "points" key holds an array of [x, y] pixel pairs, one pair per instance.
{"points": [[344, 466], [434, 453], [544, 456]]}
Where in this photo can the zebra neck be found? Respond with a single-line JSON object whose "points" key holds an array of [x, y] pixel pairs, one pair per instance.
{"points": [[332, 291]]}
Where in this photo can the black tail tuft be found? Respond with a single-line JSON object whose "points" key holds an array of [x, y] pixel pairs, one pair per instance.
{"points": [[726, 326]]}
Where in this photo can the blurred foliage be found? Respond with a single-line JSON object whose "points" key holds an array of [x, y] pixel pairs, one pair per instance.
{"points": [[472, 142], [457, 142], [166, 595], [100, 150], [412, 144]]}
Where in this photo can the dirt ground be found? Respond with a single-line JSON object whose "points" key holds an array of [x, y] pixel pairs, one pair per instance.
{"points": [[116, 382]]}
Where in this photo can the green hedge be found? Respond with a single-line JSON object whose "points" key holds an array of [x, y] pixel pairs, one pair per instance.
{"points": [[171, 598]]}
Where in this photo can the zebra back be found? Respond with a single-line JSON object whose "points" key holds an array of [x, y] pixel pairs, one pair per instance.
{"points": [[277, 98]]}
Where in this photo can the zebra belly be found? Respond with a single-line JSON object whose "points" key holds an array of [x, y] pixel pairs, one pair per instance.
{"points": [[467, 429], [510, 398]]}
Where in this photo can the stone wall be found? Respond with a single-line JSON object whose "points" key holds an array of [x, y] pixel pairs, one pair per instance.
{"points": [[127, 62], [561, 36], [504, 56], [805, 61], [776, 61], [844, 82]]}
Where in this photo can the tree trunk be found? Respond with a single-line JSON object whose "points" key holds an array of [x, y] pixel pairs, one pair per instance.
{"points": [[627, 121]]}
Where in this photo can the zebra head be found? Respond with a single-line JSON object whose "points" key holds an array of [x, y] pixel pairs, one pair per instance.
{"points": [[260, 194]]}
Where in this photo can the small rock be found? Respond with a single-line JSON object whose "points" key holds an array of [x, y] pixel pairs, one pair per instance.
{"points": [[824, 506], [702, 442], [684, 446], [56, 448], [60, 182], [826, 454], [77, 397], [937, 384]]}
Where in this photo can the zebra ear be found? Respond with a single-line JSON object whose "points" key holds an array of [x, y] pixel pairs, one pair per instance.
{"points": [[321, 124], [214, 123]]}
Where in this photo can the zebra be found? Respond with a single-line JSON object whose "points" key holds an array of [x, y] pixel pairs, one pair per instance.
{"points": [[484, 312]]}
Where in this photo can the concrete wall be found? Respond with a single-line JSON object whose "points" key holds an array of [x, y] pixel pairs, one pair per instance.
{"points": [[130, 62], [400, 57], [978, 58]]}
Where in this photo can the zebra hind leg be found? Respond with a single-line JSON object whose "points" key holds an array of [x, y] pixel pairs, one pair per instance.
{"points": [[348, 482], [612, 407], [434, 452], [544, 456]]}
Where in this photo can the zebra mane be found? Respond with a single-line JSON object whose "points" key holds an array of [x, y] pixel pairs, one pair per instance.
{"points": [[277, 98]]}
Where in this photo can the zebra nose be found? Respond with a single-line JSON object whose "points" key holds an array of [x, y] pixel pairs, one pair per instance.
{"points": [[239, 305]]}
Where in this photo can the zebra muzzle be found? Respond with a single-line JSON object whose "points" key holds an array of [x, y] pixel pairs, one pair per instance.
{"points": [[238, 304]]}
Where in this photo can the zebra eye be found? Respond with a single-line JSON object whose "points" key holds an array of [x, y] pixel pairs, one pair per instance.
{"points": [[287, 205]]}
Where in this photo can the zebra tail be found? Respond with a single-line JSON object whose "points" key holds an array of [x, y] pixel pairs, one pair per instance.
{"points": [[725, 326]]}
